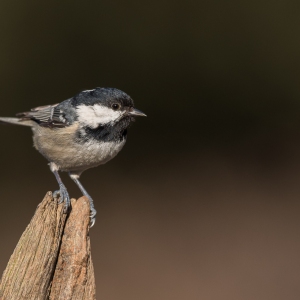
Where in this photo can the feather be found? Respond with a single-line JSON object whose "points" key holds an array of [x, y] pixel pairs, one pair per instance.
{"points": [[46, 116], [16, 121]]}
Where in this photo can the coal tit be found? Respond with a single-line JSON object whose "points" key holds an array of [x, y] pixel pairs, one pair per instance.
{"points": [[79, 133]]}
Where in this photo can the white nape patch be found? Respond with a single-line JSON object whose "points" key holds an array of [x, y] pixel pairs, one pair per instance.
{"points": [[95, 115], [86, 91]]}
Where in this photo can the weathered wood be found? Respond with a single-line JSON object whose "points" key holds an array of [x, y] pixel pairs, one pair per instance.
{"points": [[74, 274], [52, 259]]}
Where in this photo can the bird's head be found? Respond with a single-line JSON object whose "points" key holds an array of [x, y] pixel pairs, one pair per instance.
{"points": [[104, 107]]}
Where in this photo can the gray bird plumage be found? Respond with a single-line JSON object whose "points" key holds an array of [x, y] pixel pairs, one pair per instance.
{"points": [[15, 121], [79, 133]]}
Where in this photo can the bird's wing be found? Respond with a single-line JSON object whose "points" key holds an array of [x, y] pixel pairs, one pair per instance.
{"points": [[47, 116]]}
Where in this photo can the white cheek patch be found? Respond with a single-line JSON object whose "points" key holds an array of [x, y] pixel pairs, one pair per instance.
{"points": [[95, 115]]}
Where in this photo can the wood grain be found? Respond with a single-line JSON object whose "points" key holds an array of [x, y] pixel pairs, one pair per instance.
{"points": [[52, 259]]}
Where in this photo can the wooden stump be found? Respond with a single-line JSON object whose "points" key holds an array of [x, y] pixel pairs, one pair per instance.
{"points": [[52, 259]]}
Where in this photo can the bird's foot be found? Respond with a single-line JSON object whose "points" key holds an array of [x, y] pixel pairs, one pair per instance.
{"points": [[93, 212], [63, 196]]}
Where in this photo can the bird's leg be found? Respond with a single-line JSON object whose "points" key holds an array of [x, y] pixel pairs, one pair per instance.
{"points": [[62, 192], [75, 178]]}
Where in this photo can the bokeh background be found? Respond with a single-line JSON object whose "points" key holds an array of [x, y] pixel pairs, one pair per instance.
{"points": [[204, 200]]}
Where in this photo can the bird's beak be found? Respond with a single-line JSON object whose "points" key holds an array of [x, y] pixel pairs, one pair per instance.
{"points": [[137, 113]]}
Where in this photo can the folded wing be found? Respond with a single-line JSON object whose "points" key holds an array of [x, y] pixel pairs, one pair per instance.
{"points": [[46, 116]]}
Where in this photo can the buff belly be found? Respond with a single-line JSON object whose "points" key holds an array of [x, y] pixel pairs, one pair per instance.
{"points": [[58, 145]]}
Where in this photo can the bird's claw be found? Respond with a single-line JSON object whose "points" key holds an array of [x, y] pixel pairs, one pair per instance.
{"points": [[92, 222], [63, 196], [92, 216]]}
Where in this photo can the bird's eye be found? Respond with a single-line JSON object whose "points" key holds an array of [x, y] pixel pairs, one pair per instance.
{"points": [[115, 106]]}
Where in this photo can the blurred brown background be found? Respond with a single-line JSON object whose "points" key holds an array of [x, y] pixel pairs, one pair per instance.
{"points": [[203, 202]]}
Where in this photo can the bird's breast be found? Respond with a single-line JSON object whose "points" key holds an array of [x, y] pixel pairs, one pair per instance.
{"points": [[60, 146]]}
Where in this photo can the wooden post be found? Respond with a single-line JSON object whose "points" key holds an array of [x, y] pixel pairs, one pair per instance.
{"points": [[52, 259]]}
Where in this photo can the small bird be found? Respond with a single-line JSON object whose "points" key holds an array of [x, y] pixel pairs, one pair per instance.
{"points": [[79, 133]]}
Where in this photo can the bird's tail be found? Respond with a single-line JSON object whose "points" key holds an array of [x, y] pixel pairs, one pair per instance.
{"points": [[16, 121]]}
